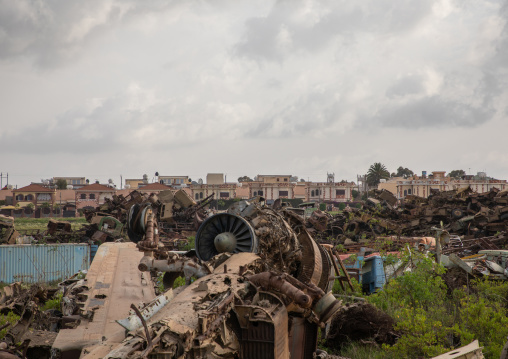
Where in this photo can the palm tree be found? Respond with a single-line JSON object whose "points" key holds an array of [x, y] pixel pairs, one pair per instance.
{"points": [[377, 172]]}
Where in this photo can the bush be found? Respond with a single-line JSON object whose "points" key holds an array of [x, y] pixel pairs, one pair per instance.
{"points": [[55, 303], [11, 318], [432, 321], [483, 321], [423, 335], [190, 244]]}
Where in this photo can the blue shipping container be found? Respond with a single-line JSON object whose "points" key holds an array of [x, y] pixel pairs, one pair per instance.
{"points": [[36, 263], [371, 274]]}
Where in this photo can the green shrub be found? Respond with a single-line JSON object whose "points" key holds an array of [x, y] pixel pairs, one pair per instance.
{"points": [[9, 318], [190, 244], [179, 282], [485, 321], [422, 336], [55, 303]]}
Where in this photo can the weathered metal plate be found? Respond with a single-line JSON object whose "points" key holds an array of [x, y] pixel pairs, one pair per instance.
{"points": [[38, 263], [115, 283]]}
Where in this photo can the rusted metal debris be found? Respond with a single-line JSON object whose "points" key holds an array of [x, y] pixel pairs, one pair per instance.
{"points": [[25, 302], [8, 234], [258, 282], [477, 221], [257, 286]]}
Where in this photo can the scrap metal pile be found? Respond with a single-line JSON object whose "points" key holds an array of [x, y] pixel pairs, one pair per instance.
{"points": [[258, 283], [477, 220], [257, 286], [177, 214]]}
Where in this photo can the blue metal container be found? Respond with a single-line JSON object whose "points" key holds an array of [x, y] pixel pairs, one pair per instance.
{"points": [[93, 251], [36, 263], [373, 274]]}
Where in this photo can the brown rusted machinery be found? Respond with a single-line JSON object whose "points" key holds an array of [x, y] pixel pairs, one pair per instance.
{"points": [[258, 286]]}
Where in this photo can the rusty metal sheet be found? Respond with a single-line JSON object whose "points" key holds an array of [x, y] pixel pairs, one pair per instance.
{"points": [[114, 284]]}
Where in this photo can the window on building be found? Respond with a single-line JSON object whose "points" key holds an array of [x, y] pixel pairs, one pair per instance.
{"points": [[405, 192], [224, 194], [340, 192], [197, 196], [283, 193], [255, 193], [201, 195], [260, 193], [92, 195], [285, 179], [409, 191], [19, 197], [278, 179], [312, 193], [82, 196], [29, 197]]}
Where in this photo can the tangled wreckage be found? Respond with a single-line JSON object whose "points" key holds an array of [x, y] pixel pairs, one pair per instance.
{"points": [[250, 291], [257, 286], [258, 282]]}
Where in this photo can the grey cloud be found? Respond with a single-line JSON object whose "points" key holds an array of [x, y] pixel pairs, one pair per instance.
{"points": [[261, 42], [309, 115], [431, 112], [408, 85], [52, 33], [129, 120]]}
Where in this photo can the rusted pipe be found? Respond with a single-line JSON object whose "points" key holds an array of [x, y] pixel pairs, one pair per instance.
{"points": [[269, 280]]}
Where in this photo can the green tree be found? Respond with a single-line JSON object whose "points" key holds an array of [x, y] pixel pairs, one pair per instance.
{"points": [[457, 173], [355, 194], [377, 172], [403, 172], [61, 183], [244, 179]]}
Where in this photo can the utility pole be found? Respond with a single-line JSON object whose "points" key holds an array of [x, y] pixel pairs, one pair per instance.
{"points": [[1, 179]]}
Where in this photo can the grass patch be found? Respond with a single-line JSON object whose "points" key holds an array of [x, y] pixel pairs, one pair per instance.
{"points": [[42, 223]]}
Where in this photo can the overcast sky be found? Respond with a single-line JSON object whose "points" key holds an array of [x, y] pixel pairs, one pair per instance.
{"points": [[103, 88]]}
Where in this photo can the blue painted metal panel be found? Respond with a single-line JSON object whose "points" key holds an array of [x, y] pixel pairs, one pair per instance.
{"points": [[372, 274], [93, 251], [42, 262]]}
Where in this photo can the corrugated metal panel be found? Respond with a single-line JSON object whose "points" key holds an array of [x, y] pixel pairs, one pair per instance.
{"points": [[42, 262]]}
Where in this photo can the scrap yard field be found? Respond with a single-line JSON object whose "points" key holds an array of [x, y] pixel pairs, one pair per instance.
{"points": [[384, 278]]}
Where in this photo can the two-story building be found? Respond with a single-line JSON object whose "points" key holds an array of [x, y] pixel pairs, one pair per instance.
{"points": [[479, 183], [330, 191], [272, 187], [93, 195], [424, 186], [215, 183], [35, 194]]}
